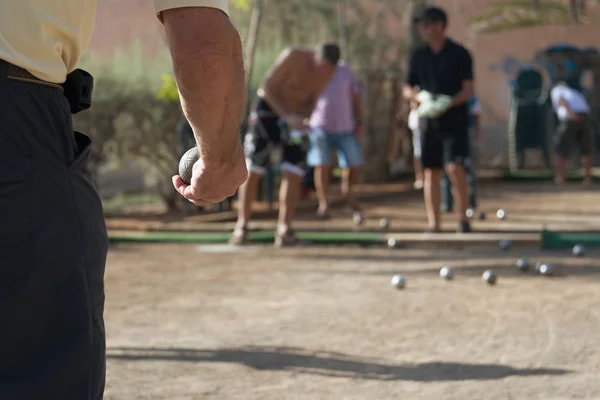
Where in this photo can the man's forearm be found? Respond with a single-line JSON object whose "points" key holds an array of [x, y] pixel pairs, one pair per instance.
{"points": [[208, 66], [462, 97]]}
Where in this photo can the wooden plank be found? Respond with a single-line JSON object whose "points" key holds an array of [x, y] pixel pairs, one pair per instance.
{"points": [[469, 238]]}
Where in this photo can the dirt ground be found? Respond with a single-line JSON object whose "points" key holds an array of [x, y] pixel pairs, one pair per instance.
{"points": [[186, 323]]}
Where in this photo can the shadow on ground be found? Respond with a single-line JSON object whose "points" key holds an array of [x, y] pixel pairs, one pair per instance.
{"points": [[329, 364]]}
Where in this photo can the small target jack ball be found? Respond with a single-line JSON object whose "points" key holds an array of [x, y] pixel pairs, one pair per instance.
{"points": [[384, 223], [505, 244], [501, 214], [398, 282], [446, 273], [470, 213], [481, 216], [523, 264], [546, 270], [186, 165], [578, 250], [489, 277], [358, 218], [538, 265], [393, 243]]}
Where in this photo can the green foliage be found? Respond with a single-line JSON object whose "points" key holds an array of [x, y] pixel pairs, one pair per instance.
{"points": [[168, 91], [134, 116], [242, 4]]}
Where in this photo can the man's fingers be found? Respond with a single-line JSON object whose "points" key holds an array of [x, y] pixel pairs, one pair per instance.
{"points": [[184, 189], [178, 184], [199, 203], [191, 194]]}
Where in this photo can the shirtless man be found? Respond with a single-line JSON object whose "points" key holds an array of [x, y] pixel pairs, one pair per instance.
{"points": [[279, 119]]}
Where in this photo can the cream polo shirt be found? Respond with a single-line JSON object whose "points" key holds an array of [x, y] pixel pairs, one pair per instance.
{"points": [[47, 37]]}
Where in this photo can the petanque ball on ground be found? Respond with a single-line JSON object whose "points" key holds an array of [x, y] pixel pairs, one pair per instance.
{"points": [[357, 218], [538, 265], [501, 214], [578, 250], [523, 264], [470, 213], [384, 223], [446, 273], [489, 277], [546, 270], [186, 164], [393, 243], [398, 282], [505, 244]]}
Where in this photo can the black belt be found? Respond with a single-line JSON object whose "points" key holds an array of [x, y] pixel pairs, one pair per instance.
{"points": [[22, 75]]}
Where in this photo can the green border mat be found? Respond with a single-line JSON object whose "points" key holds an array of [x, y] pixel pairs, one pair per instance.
{"points": [[362, 238], [563, 240], [543, 175]]}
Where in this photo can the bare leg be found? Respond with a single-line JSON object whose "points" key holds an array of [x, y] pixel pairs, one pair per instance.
{"points": [[349, 179], [289, 193], [586, 163], [460, 189], [432, 194], [418, 173], [561, 170], [246, 196], [322, 174]]}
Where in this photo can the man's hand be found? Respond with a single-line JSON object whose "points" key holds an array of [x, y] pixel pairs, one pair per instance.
{"points": [[295, 121], [409, 93], [208, 66], [213, 183]]}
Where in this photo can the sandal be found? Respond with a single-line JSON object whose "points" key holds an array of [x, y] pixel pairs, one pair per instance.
{"points": [[239, 236], [287, 238], [322, 215]]}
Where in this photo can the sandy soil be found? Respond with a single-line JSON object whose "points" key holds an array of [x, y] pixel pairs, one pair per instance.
{"points": [[325, 323]]}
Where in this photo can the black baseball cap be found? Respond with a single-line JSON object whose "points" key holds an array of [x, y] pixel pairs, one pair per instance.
{"points": [[432, 14]]}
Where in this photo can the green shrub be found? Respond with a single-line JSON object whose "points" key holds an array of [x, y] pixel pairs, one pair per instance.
{"points": [[130, 120]]}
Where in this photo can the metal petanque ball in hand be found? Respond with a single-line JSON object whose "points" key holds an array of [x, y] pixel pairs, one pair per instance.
{"points": [[186, 165]]}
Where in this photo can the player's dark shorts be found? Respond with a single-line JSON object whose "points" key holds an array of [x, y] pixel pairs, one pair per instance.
{"points": [[571, 132], [439, 147], [53, 247], [268, 141]]}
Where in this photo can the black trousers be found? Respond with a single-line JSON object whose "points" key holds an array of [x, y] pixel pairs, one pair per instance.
{"points": [[53, 246]]}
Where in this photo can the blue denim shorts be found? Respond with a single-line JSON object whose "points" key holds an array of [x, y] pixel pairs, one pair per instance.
{"points": [[321, 143]]}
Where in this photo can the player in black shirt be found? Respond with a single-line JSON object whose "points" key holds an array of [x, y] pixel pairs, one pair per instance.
{"points": [[442, 67]]}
